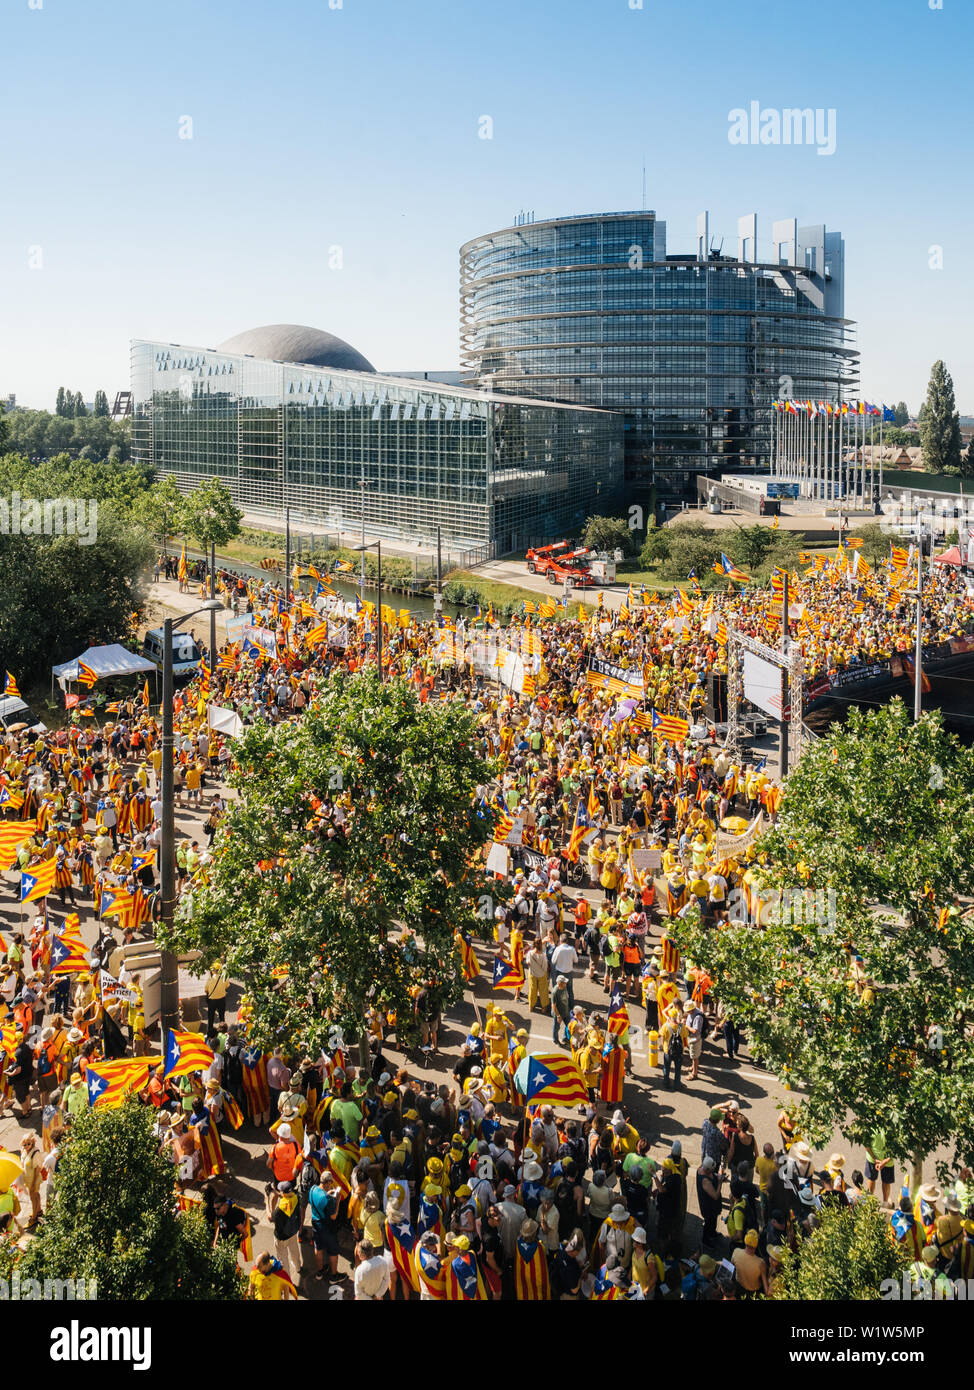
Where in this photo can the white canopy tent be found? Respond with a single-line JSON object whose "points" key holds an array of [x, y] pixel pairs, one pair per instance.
{"points": [[107, 663]]}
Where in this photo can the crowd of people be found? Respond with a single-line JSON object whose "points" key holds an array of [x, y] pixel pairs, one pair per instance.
{"points": [[612, 824]]}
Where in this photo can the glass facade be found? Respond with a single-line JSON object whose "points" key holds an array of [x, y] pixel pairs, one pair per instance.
{"points": [[495, 473], [592, 311]]}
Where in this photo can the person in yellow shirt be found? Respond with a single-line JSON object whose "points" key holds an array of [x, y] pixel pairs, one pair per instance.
{"points": [[268, 1282]]}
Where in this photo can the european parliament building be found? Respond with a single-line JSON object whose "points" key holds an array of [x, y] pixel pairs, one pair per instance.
{"points": [[690, 348], [598, 368], [292, 417]]}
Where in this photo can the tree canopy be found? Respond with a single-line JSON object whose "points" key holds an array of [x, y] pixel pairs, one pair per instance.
{"points": [[114, 1220], [847, 1257], [210, 514], [608, 533], [940, 424], [306, 915], [62, 593], [878, 819]]}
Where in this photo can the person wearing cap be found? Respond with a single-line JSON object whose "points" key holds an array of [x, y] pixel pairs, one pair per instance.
{"points": [[215, 989], [464, 1280], [750, 1270], [925, 1279], [615, 1237], [76, 1099], [561, 1012], [648, 1271], [698, 1284]]}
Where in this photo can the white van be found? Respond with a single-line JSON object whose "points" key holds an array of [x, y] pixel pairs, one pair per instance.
{"points": [[185, 653], [14, 711]]}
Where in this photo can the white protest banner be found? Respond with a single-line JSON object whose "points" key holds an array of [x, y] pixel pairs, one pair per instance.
{"points": [[224, 721]]}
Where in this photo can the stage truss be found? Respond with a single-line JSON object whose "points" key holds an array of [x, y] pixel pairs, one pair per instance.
{"points": [[791, 662]]}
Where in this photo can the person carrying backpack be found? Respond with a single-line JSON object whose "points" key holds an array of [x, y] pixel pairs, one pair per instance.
{"points": [[286, 1220], [695, 1023], [324, 1227]]}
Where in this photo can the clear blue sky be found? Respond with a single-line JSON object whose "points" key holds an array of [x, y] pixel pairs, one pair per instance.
{"points": [[358, 127]]}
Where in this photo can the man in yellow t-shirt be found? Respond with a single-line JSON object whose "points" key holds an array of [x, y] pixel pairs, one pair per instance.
{"points": [[268, 1281]]}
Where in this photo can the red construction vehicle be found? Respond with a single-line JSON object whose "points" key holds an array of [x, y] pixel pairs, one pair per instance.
{"points": [[537, 559], [569, 567]]}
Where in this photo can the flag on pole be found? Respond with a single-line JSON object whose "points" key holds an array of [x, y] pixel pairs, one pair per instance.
{"points": [[185, 1053], [670, 727], [507, 975], [181, 571], [86, 676], [68, 958], [550, 1078], [10, 687], [582, 824], [110, 1082], [39, 882], [728, 568]]}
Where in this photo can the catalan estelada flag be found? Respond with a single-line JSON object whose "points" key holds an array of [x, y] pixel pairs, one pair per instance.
{"points": [[432, 1273], [507, 975], [669, 956], [256, 1090], [13, 833], [550, 1078], [530, 1272], [116, 902], [464, 1281], [578, 833], [185, 1053], [110, 1082], [38, 882], [86, 676], [469, 964], [317, 635], [10, 687], [670, 727], [68, 957], [401, 1240], [503, 828], [232, 1111], [593, 806], [247, 1244], [728, 568], [613, 1071]]}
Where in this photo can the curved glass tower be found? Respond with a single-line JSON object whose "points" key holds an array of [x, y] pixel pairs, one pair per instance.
{"points": [[691, 349]]}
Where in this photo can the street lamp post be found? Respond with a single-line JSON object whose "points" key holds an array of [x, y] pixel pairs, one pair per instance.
{"points": [[169, 999]]}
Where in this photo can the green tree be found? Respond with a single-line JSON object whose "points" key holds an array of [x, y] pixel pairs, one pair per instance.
{"points": [[940, 425], [80, 409], [692, 547], [61, 406], [750, 546], [101, 404], [61, 593], [608, 533], [847, 1258], [114, 1220], [161, 510], [878, 819], [327, 905], [875, 542], [656, 546], [901, 416], [211, 516]]}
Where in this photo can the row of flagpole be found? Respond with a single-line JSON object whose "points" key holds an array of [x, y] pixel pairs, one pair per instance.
{"points": [[822, 448]]}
